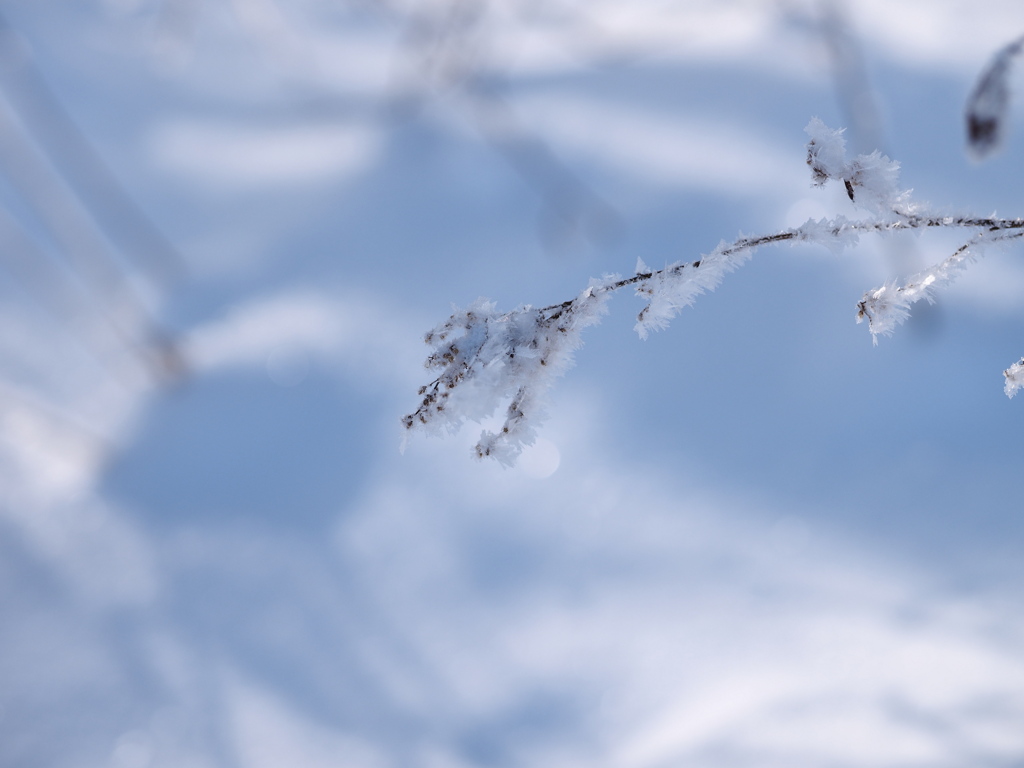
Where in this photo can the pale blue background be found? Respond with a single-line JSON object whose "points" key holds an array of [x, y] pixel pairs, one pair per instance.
{"points": [[752, 540]]}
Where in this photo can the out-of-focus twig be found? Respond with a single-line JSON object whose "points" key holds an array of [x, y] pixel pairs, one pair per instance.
{"points": [[122, 221], [857, 99], [444, 53], [77, 204], [988, 104]]}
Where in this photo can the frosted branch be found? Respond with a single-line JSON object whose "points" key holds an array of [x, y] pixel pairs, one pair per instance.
{"points": [[487, 358], [887, 307]]}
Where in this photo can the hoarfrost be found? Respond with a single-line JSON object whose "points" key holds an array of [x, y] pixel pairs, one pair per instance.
{"points": [[888, 307], [678, 285], [1014, 378], [836, 234], [487, 358], [826, 152], [872, 181]]}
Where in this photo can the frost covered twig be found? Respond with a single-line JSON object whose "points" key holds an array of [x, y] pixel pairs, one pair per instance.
{"points": [[487, 358], [889, 306]]}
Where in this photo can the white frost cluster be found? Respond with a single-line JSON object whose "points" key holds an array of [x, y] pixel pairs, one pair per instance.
{"points": [[669, 290], [487, 358], [836, 234], [1014, 378], [872, 181], [887, 307]]}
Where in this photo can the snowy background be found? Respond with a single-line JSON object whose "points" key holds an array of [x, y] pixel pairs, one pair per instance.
{"points": [[752, 540]]}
